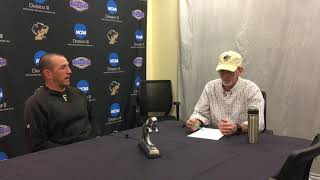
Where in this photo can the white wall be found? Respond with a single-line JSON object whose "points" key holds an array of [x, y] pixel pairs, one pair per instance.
{"points": [[163, 41]]}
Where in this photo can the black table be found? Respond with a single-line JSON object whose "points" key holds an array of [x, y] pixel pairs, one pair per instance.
{"points": [[117, 156]]}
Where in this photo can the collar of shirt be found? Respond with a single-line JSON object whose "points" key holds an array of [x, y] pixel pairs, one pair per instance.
{"points": [[234, 89]]}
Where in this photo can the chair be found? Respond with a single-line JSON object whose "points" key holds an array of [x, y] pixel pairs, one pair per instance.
{"points": [[155, 96], [268, 131], [298, 164]]}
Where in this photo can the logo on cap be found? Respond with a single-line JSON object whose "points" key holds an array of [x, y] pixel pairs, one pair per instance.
{"points": [[226, 57]]}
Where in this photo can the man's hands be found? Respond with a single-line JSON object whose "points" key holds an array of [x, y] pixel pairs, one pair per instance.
{"points": [[227, 127], [193, 124]]}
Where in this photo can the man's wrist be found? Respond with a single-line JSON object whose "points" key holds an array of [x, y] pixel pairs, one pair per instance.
{"points": [[238, 129]]}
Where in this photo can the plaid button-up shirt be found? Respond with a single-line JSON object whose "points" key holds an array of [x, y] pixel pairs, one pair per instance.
{"points": [[215, 104]]}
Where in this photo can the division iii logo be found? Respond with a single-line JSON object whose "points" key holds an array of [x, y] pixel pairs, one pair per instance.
{"points": [[79, 5], [83, 85], [40, 1], [81, 62], [1, 94], [115, 109], [39, 30], [137, 81], [114, 88], [112, 7], [138, 14], [37, 56], [112, 36], [3, 62], [113, 59], [80, 31], [138, 35]]}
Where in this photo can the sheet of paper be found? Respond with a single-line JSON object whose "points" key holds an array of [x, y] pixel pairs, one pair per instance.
{"points": [[207, 133]]}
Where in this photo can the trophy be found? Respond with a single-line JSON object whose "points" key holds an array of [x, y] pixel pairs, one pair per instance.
{"points": [[145, 143]]}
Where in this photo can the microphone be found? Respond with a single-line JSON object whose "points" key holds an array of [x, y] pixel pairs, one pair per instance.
{"points": [[4, 130]]}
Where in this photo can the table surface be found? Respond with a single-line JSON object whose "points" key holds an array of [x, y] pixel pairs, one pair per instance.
{"points": [[117, 156]]}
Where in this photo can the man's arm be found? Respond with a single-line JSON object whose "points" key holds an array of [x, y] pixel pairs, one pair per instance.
{"points": [[201, 113], [97, 127], [35, 119], [255, 99]]}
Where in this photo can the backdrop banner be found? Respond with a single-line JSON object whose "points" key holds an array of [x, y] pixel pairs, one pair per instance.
{"points": [[104, 42]]}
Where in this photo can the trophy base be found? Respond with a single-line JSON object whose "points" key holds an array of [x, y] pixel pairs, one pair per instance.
{"points": [[150, 151]]}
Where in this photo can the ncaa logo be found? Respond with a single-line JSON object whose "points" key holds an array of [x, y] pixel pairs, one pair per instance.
{"points": [[115, 109], [113, 59], [139, 35], [112, 7], [40, 1], [138, 14], [37, 56], [81, 62], [83, 85], [138, 61], [137, 81], [1, 93], [80, 30], [3, 62]]}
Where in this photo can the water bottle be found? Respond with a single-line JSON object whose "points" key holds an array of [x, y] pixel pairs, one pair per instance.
{"points": [[253, 124]]}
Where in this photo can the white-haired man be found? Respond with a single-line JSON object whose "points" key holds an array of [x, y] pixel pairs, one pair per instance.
{"points": [[224, 101]]}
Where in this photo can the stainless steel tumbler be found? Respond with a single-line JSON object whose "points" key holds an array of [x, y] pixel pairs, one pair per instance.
{"points": [[253, 124]]}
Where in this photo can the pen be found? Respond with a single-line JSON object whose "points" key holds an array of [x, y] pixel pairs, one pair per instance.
{"points": [[198, 127]]}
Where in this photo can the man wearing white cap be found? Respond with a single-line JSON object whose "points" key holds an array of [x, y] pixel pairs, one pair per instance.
{"points": [[224, 101]]}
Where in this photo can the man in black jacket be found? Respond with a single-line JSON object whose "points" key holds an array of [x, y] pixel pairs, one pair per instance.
{"points": [[57, 114]]}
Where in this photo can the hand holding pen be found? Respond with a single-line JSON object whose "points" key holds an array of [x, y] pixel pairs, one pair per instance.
{"points": [[193, 124]]}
